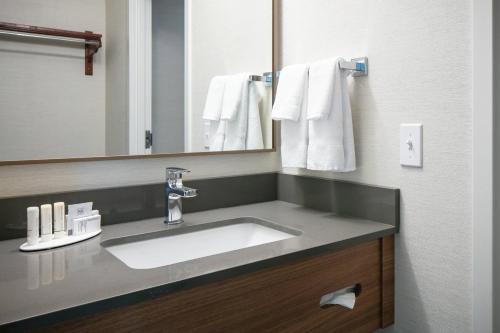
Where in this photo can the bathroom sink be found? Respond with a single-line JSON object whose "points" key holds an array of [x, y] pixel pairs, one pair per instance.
{"points": [[173, 246]]}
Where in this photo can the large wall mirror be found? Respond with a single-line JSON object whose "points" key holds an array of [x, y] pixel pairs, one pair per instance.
{"points": [[102, 79]]}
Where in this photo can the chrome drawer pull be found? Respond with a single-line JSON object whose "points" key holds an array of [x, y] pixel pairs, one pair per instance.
{"points": [[345, 297]]}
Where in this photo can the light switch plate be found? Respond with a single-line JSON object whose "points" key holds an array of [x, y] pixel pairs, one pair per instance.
{"points": [[410, 145]]}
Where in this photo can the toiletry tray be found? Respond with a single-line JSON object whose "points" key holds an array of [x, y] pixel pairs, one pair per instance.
{"points": [[58, 242]]}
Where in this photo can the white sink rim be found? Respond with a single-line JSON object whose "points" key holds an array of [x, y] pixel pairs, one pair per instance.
{"points": [[152, 246]]}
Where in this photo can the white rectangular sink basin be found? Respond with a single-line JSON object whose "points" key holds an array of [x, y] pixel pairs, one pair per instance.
{"points": [[182, 244]]}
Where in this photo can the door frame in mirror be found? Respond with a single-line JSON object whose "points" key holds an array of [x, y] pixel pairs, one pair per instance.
{"points": [[275, 59]]}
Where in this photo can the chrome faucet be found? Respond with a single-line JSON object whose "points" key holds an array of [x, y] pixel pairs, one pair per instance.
{"points": [[174, 192]]}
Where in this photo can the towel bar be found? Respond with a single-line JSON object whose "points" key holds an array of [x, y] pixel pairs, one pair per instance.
{"points": [[358, 66]]}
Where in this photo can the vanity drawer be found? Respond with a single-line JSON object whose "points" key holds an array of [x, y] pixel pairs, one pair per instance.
{"points": [[284, 298]]}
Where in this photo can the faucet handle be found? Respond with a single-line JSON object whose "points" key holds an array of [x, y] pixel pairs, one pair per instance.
{"points": [[175, 173]]}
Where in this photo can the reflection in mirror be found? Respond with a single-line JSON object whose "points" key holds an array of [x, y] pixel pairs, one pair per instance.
{"points": [[167, 76]]}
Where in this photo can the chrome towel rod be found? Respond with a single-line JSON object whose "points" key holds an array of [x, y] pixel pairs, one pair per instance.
{"points": [[358, 66], [48, 37], [265, 77]]}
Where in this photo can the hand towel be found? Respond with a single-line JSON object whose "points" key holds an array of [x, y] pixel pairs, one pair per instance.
{"points": [[322, 77], [235, 111], [215, 95], [213, 110], [254, 132], [234, 95], [290, 93], [217, 140], [291, 110], [331, 139]]}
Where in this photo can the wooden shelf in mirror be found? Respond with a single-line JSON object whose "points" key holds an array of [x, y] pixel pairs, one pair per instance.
{"points": [[90, 40]]}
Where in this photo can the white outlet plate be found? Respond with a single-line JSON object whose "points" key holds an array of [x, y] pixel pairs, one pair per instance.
{"points": [[411, 145]]}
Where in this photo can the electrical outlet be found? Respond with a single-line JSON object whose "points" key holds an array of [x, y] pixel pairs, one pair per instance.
{"points": [[411, 144]]}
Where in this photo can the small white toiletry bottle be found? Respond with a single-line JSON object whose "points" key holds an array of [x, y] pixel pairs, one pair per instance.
{"points": [[33, 225], [47, 223], [59, 225]]}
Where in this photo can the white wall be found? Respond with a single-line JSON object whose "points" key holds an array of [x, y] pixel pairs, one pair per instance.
{"points": [[420, 71], [46, 83], [226, 37], [484, 135], [496, 171]]}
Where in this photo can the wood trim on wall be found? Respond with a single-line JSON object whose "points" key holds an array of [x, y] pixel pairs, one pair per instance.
{"points": [[275, 56]]}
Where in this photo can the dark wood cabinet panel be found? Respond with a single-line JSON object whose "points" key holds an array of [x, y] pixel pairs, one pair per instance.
{"points": [[284, 298], [388, 266]]}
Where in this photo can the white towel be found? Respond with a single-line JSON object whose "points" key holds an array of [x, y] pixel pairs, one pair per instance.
{"points": [[254, 132], [215, 95], [213, 110], [235, 111], [322, 78], [292, 111], [331, 139], [218, 136], [290, 93], [234, 95]]}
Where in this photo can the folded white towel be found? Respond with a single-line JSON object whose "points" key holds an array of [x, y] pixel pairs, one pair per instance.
{"points": [[254, 131], [213, 110], [235, 111], [292, 111], [331, 139], [322, 77], [234, 95], [215, 95], [290, 93], [217, 140]]}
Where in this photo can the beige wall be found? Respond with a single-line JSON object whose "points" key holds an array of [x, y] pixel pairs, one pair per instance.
{"points": [[48, 107], [117, 89], [50, 178], [420, 55]]}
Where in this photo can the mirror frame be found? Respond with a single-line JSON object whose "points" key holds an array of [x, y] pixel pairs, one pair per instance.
{"points": [[275, 61]]}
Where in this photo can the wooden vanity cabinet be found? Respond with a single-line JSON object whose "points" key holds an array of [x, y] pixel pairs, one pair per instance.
{"points": [[284, 298]]}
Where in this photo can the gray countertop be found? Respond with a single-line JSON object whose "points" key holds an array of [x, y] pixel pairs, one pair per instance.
{"points": [[81, 278]]}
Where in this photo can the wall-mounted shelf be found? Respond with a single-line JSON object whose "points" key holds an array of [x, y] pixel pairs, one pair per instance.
{"points": [[91, 40]]}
